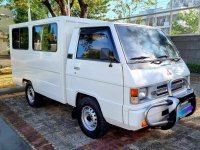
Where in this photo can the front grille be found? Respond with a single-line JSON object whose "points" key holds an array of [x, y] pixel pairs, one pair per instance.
{"points": [[162, 89]]}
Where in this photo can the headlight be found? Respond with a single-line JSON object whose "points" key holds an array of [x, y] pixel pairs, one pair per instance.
{"points": [[142, 93], [137, 95]]}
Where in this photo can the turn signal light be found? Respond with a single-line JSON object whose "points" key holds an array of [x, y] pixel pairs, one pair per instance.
{"points": [[144, 124], [134, 92]]}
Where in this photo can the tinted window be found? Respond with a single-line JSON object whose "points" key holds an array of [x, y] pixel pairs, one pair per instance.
{"points": [[45, 37], [91, 41], [20, 38]]}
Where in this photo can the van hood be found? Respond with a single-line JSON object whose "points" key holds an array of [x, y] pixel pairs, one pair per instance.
{"points": [[144, 75]]}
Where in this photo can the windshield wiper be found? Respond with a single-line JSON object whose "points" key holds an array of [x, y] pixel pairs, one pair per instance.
{"points": [[163, 56], [139, 58], [176, 59], [159, 61]]}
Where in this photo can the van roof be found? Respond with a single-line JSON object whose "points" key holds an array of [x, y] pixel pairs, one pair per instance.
{"points": [[72, 19], [67, 18]]}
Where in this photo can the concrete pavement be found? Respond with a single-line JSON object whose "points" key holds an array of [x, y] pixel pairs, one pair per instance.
{"points": [[9, 139], [52, 124], [11, 90]]}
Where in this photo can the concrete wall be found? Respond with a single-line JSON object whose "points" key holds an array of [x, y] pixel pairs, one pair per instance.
{"points": [[188, 46], [3, 42]]}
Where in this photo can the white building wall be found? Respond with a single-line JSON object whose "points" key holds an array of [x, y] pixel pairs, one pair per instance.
{"points": [[162, 20]]}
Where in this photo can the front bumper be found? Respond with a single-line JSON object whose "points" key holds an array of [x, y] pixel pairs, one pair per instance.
{"points": [[180, 106], [166, 113]]}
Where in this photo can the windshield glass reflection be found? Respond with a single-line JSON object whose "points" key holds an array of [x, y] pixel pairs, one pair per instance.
{"points": [[145, 43]]}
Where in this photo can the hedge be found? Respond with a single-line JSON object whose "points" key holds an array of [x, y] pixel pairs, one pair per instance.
{"points": [[194, 67]]}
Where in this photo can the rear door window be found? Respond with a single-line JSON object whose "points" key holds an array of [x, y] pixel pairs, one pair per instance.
{"points": [[20, 38], [45, 37]]}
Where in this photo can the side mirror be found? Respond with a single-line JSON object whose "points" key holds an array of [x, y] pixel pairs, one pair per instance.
{"points": [[105, 54]]}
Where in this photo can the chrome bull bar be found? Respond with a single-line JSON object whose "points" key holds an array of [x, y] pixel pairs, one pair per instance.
{"points": [[171, 101], [169, 85]]}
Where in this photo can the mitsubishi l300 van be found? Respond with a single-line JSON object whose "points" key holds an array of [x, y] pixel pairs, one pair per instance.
{"points": [[131, 76]]}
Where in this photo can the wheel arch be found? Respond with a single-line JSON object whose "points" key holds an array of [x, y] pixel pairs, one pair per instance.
{"points": [[102, 125], [25, 81], [81, 95]]}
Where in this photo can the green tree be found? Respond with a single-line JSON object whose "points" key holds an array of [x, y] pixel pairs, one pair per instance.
{"points": [[43, 8], [97, 9], [83, 8], [185, 23], [20, 9], [139, 20], [126, 8]]}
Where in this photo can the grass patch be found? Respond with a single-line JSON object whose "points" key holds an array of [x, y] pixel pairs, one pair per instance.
{"points": [[6, 70], [6, 81], [6, 78], [194, 67], [5, 52]]}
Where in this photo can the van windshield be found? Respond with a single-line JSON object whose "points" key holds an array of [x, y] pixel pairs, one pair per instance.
{"points": [[142, 43]]}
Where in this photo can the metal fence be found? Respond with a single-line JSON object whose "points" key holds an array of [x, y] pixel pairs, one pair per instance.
{"points": [[174, 17]]}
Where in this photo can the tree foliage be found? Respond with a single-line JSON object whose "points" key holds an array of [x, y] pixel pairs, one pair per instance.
{"points": [[186, 23], [97, 9], [126, 8], [43, 8], [20, 10]]}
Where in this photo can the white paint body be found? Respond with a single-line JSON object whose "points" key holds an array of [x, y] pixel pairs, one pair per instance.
{"points": [[53, 75]]}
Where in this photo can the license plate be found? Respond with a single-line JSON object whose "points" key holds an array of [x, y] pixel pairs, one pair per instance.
{"points": [[184, 109]]}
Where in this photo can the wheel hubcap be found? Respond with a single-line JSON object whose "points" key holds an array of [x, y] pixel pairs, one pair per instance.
{"points": [[89, 118], [30, 94]]}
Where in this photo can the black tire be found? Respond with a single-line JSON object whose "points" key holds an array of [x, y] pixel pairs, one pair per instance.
{"points": [[36, 99], [172, 121], [101, 124]]}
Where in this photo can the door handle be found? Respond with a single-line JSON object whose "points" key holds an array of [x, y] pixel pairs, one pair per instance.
{"points": [[76, 68]]}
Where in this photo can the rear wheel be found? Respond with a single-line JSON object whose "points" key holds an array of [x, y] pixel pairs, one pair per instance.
{"points": [[90, 118], [34, 99]]}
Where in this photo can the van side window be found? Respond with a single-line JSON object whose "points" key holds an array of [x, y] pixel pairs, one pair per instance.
{"points": [[92, 41], [45, 37], [20, 38]]}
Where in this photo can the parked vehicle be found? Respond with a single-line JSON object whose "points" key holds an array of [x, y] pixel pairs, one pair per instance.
{"points": [[128, 75]]}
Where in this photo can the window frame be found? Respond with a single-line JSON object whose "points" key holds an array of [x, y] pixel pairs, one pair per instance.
{"points": [[115, 52], [19, 37], [33, 37]]}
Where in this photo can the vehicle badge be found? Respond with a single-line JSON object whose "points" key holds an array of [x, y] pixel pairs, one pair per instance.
{"points": [[169, 72]]}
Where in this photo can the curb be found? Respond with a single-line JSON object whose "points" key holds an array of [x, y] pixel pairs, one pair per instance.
{"points": [[195, 76], [11, 90]]}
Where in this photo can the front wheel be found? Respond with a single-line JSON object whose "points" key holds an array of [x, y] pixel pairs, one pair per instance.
{"points": [[90, 118], [34, 99]]}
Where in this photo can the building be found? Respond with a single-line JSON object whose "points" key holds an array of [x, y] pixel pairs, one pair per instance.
{"points": [[5, 20], [162, 17], [3, 41]]}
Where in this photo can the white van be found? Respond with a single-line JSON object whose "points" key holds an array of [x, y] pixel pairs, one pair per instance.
{"points": [[127, 75]]}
